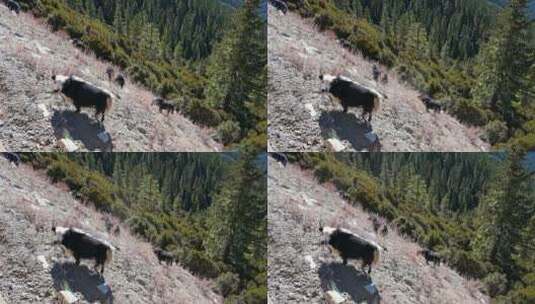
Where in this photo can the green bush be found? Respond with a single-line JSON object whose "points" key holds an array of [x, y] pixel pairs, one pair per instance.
{"points": [[227, 283], [323, 21], [56, 22], [467, 264], [469, 113], [200, 113], [496, 131], [228, 132], [495, 284], [255, 295], [200, 264]]}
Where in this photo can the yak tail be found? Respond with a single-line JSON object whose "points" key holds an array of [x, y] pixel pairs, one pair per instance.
{"points": [[109, 255], [109, 103], [376, 104], [376, 256]]}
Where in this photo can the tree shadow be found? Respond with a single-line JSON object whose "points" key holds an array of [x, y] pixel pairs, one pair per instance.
{"points": [[346, 279], [80, 279], [346, 126], [79, 126]]}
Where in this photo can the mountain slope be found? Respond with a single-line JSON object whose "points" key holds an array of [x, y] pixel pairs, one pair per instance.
{"points": [[301, 119], [33, 269], [301, 271], [32, 118]]}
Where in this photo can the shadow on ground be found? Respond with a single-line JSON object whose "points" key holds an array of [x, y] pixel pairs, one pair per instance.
{"points": [[346, 279], [80, 279], [79, 126], [345, 126]]}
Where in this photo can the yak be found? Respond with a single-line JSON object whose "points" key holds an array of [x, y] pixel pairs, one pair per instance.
{"points": [[82, 245], [13, 5], [120, 80], [376, 72], [110, 72], [84, 95], [351, 246], [280, 157], [430, 103], [430, 255], [13, 158], [164, 105], [281, 5], [165, 256], [352, 94]]}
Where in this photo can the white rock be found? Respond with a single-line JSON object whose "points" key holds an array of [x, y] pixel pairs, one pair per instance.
{"points": [[66, 297], [335, 145], [2, 300], [43, 50], [43, 261], [43, 202], [310, 261], [333, 297], [67, 145], [104, 136], [44, 110], [310, 109]]}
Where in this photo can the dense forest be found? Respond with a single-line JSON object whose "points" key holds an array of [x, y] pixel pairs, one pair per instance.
{"points": [[204, 55], [478, 210], [208, 209], [477, 58]]}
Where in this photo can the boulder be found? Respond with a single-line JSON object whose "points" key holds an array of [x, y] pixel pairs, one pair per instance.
{"points": [[334, 297], [335, 145], [66, 297], [67, 145]]}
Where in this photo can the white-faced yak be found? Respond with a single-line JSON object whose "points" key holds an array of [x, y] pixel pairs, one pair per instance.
{"points": [[351, 246], [84, 94], [82, 245]]}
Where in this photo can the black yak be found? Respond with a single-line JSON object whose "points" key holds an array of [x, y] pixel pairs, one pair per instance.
{"points": [[430, 103], [84, 95], [120, 80], [351, 246], [14, 158], [165, 256], [384, 79], [164, 105], [376, 72], [13, 5], [280, 157], [281, 5], [110, 72], [352, 94], [82, 245], [430, 255]]}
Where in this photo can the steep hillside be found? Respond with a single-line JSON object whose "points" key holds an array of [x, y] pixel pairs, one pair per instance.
{"points": [[33, 270], [301, 119], [301, 271], [32, 118]]}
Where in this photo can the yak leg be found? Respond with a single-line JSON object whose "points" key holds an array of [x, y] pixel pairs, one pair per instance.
{"points": [[78, 108], [345, 260], [345, 108]]}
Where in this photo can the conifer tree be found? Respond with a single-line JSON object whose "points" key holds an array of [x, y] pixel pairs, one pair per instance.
{"points": [[235, 70]]}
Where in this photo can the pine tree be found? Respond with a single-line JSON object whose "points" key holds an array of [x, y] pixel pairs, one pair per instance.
{"points": [[237, 64], [237, 217], [504, 65]]}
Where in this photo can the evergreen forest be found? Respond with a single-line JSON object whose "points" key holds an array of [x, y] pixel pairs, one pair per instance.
{"points": [[208, 209], [206, 56], [474, 56], [475, 209]]}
